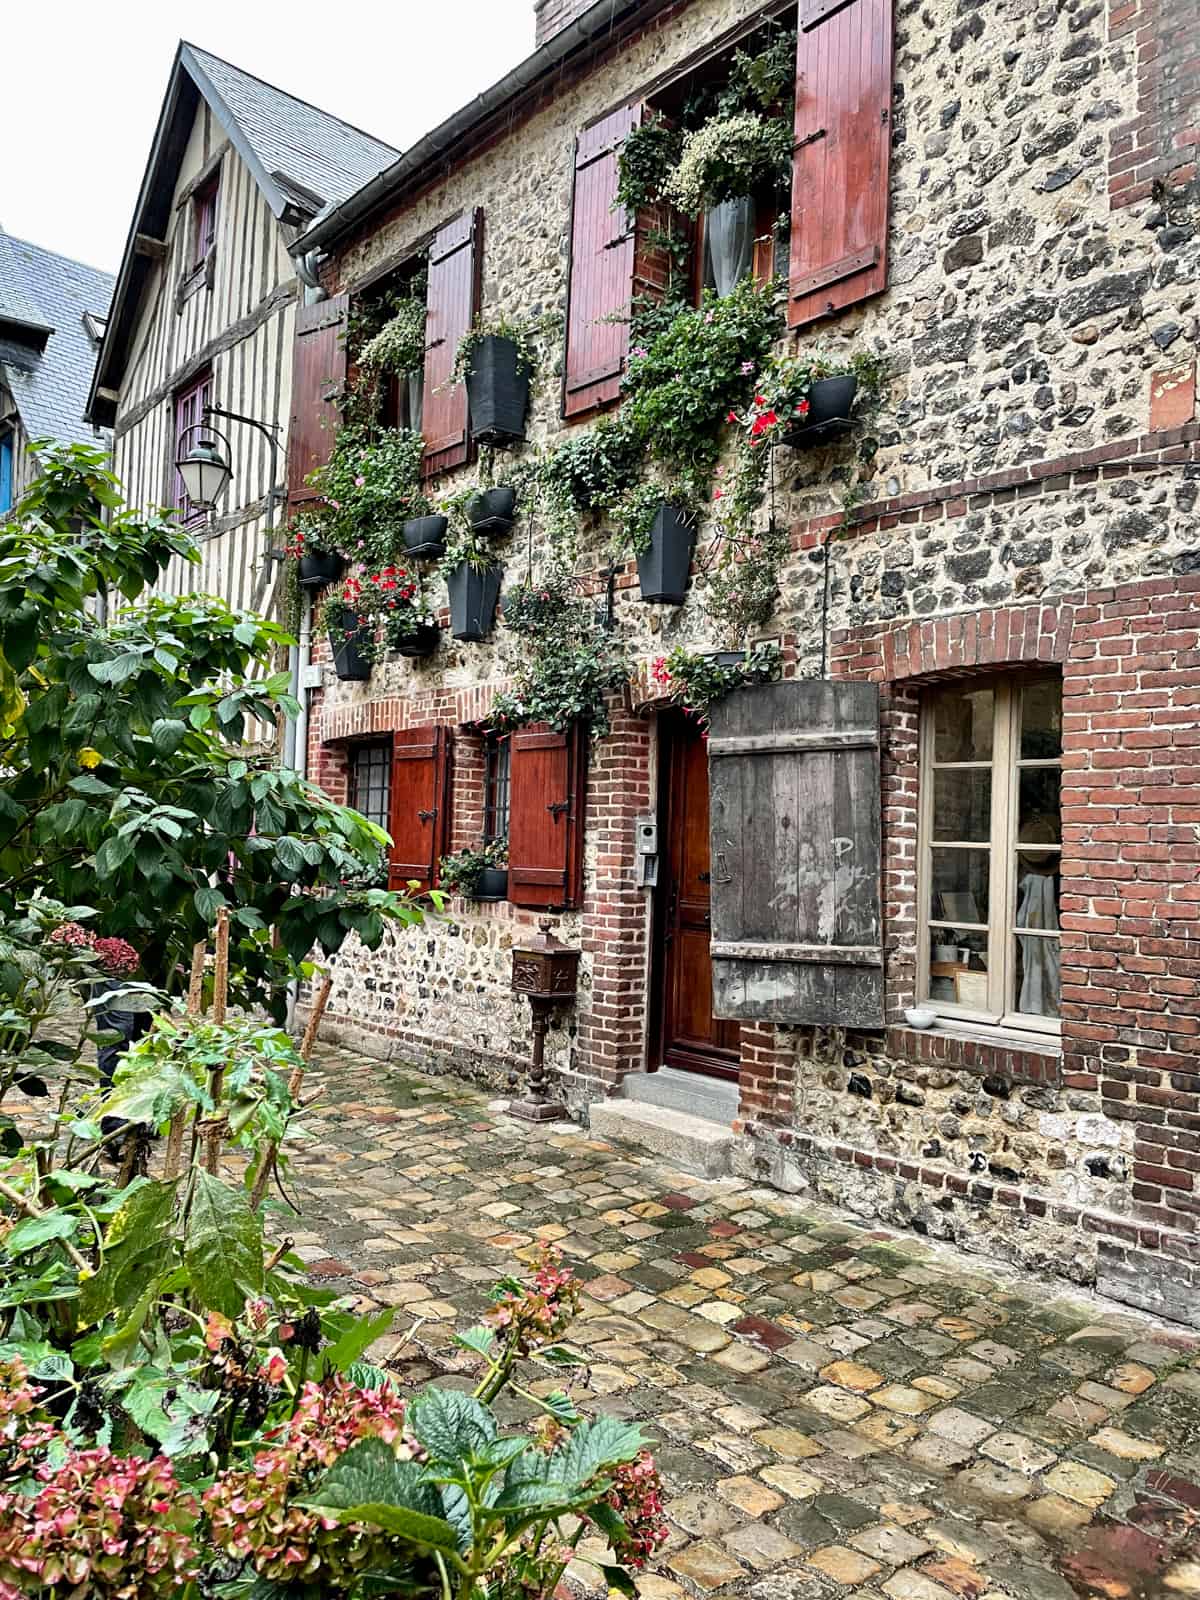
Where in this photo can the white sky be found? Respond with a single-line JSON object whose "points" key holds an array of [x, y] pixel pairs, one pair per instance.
{"points": [[83, 85]]}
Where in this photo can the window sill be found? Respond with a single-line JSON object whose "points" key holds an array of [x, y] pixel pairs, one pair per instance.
{"points": [[993, 1052]]}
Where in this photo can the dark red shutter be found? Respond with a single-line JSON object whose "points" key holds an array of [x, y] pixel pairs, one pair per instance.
{"points": [[545, 824], [455, 265], [420, 805], [602, 268], [843, 145], [318, 376]]}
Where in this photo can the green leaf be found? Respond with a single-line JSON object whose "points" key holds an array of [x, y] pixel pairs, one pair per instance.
{"points": [[208, 902], [85, 783], [362, 1332], [35, 1231], [368, 1484], [594, 1446], [364, 1376], [451, 1426], [222, 1247], [167, 735], [134, 1250], [557, 1355], [617, 1578], [481, 1340]]}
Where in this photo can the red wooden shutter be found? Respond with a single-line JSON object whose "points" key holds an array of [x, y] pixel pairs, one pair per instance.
{"points": [[545, 825], [318, 376], [843, 146], [420, 805], [452, 302], [602, 267]]}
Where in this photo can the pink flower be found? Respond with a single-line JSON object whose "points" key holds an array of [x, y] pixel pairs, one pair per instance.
{"points": [[747, 368], [639, 351], [359, 481], [711, 316]]}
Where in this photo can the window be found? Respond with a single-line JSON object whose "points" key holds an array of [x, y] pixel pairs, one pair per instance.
{"points": [[991, 848], [371, 781], [204, 221], [190, 404], [496, 756]]}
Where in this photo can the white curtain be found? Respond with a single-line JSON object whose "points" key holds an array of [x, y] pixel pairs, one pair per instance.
{"points": [[730, 237], [1038, 908]]}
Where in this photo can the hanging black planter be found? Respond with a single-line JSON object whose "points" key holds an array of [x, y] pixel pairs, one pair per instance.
{"points": [[830, 399], [426, 536], [320, 567], [497, 391], [726, 658], [473, 595], [491, 510], [491, 884], [663, 567], [347, 637], [423, 641]]}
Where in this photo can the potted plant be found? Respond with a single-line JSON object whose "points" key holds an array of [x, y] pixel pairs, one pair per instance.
{"points": [[694, 679], [350, 632], [495, 361], [492, 510], [426, 535], [371, 486], [724, 164], [400, 616], [660, 528], [480, 874], [473, 583], [316, 565]]}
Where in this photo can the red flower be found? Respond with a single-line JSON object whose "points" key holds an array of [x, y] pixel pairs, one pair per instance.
{"points": [[802, 409], [760, 399], [732, 417], [765, 420]]}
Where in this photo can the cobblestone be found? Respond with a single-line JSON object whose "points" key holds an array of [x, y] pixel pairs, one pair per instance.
{"points": [[960, 1435]]}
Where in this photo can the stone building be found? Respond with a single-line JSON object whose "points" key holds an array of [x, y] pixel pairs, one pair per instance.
{"points": [[1002, 201]]}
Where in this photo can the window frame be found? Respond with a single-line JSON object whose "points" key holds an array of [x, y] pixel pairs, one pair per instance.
{"points": [[1005, 766], [204, 220], [197, 393], [497, 787], [382, 749]]}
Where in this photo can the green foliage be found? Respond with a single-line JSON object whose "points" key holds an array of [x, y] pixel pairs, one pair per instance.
{"points": [[461, 872], [524, 335], [122, 784], [645, 160], [399, 346], [729, 157], [371, 486], [567, 663], [695, 679]]}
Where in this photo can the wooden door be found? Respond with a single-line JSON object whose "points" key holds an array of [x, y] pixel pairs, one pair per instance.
{"points": [[688, 1035]]}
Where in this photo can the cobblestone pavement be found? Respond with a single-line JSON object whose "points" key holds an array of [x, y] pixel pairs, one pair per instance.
{"points": [[838, 1410]]}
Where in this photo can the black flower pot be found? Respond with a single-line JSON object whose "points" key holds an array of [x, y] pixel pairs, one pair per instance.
{"points": [[320, 567], [727, 658], [492, 884], [422, 642], [497, 391], [346, 639], [491, 510], [473, 596], [425, 536], [830, 399], [663, 568]]}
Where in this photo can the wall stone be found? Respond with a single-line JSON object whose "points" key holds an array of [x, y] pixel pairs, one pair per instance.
{"points": [[1026, 493]]}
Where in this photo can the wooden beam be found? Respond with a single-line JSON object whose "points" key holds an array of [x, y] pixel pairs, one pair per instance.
{"points": [[113, 396], [154, 249]]}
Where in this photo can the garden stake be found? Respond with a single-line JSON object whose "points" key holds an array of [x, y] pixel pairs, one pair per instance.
{"points": [[194, 1001], [267, 1166], [212, 1136]]}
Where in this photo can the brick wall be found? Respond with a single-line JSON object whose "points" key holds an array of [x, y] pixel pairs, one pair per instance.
{"points": [[1154, 154]]}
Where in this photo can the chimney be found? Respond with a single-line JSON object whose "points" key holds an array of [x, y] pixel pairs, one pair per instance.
{"points": [[551, 16]]}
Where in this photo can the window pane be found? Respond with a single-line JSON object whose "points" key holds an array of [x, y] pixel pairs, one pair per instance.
{"points": [[962, 804], [1041, 720], [959, 890], [1037, 975], [958, 974], [963, 720], [1038, 884], [1039, 815]]}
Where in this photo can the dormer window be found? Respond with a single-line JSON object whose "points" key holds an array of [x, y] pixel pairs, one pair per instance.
{"points": [[204, 221]]}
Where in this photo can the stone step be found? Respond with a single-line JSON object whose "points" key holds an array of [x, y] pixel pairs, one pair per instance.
{"points": [[692, 1144], [715, 1099]]}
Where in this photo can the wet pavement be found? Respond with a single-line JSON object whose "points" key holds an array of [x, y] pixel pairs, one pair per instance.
{"points": [[838, 1410]]}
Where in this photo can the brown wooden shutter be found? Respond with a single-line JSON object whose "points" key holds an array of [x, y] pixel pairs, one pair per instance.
{"points": [[545, 825], [842, 154], [318, 377], [795, 813], [601, 269], [420, 805], [452, 302]]}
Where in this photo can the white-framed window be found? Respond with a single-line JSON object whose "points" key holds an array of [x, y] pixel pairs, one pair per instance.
{"points": [[497, 788], [371, 781], [990, 849]]}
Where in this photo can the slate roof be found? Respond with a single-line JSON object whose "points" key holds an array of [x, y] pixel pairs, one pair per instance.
{"points": [[323, 155], [46, 352]]}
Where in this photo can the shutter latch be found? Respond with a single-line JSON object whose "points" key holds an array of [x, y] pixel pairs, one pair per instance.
{"points": [[809, 138], [427, 816], [722, 873], [557, 807]]}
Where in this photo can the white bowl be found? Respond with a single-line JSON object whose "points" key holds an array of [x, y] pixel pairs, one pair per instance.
{"points": [[920, 1017]]}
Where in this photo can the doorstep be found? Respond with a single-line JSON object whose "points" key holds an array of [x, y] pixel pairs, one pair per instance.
{"points": [[698, 1144]]}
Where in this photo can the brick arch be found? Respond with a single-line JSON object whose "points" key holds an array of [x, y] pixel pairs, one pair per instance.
{"points": [[931, 646]]}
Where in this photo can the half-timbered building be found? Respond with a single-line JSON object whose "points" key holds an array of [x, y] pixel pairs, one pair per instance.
{"points": [[52, 313], [917, 930], [205, 304]]}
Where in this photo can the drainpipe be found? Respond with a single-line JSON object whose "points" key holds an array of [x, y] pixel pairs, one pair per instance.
{"points": [[295, 746]]}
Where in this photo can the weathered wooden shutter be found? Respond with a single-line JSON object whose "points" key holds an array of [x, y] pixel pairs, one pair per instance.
{"points": [[842, 152], [318, 377], [420, 805], [545, 825], [601, 269], [452, 301], [795, 813]]}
